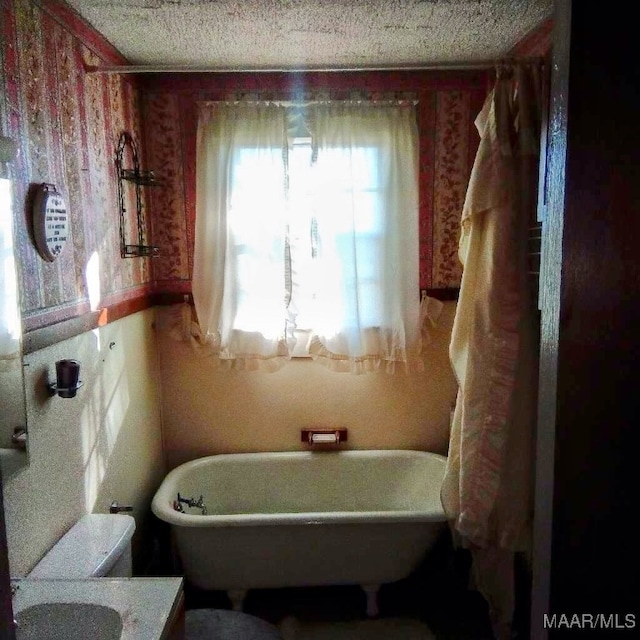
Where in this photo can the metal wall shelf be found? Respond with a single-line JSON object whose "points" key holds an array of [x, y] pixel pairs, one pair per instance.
{"points": [[138, 178]]}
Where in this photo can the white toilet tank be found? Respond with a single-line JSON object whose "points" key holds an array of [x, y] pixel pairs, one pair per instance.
{"points": [[97, 545]]}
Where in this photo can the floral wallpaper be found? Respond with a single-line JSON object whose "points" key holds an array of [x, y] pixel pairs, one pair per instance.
{"points": [[67, 122], [448, 103], [454, 143]]}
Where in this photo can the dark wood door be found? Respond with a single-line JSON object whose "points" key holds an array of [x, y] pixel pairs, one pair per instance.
{"points": [[590, 341]]}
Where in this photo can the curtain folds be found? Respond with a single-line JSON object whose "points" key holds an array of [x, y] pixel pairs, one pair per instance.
{"points": [[239, 253], [487, 489], [363, 218], [367, 307]]}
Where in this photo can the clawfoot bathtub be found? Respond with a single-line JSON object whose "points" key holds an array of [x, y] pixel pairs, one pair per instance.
{"points": [[303, 518]]}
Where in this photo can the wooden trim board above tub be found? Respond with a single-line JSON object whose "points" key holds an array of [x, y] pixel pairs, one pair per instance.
{"points": [[444, 295], [43, 337], [46, 336]]}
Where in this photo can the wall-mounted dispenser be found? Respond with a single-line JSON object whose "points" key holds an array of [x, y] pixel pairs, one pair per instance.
{"points": [[67, 379]]}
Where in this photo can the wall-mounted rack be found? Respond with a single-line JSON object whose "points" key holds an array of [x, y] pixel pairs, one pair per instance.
{"points": [[127, 151]]}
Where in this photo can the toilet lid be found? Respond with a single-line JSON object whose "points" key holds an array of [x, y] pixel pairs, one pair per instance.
{"points": [[89, 549]]}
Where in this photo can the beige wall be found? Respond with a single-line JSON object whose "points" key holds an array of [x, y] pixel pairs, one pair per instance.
{"points": [[105, 444], [208, 409]]}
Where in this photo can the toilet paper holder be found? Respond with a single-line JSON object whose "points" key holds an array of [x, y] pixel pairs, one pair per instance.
{"points": [[323, 436]]}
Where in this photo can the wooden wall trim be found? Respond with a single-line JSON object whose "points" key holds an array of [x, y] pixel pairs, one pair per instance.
{"points": [[537, 43], [42, 337], [444, 295], [550, 294], [52, 334]]}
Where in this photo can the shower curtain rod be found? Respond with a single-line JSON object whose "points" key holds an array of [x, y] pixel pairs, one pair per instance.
{"points": [[453, 66]]}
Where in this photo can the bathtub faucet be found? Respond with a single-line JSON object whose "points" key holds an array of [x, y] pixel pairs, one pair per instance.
{"points": [[190, 502]]}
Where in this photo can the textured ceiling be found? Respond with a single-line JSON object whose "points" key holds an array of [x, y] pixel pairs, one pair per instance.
{"points": [[312, 34]]}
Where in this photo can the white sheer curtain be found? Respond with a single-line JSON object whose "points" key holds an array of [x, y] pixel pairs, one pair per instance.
{"points": [[366, 206], [362, 306], [239, 254]]}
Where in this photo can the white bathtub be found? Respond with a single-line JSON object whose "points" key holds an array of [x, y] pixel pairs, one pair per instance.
{"points": [[304, 518]]}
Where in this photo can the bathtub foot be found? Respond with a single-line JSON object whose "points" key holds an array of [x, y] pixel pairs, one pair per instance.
{"points": [[371, 591], [237, 597]]}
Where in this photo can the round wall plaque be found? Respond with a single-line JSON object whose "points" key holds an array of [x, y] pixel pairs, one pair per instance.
{"points": [[50, 222]]}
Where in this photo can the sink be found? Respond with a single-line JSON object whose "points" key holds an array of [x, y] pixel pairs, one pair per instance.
{"points": [[68, 621], [95, 608]]}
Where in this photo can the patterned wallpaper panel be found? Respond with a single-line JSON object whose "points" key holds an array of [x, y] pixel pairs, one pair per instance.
{"points": [[169, 224], [67, 122], [448, 103], [452, 145]]}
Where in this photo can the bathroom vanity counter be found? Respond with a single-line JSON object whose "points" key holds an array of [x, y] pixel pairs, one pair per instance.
{"points": [[149, 608]]}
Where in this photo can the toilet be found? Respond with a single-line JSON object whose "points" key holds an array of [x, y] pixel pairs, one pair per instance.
{"points": [[98, 545]]}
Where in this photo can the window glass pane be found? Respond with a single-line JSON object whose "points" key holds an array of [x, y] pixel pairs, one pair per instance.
{"points": [[351, 222], [333, 208]]}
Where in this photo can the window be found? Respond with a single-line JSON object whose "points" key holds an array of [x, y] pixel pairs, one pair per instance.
{"points": [[340, 181], [314, 234]]}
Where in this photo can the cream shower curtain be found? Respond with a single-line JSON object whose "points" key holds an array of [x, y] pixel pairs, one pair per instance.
{"points": [[488, 482]]}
